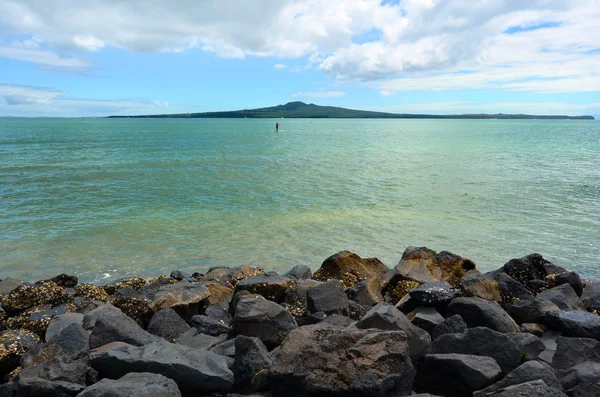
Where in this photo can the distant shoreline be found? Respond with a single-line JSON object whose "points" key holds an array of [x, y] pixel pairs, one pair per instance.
{"points": [[301, 110]]}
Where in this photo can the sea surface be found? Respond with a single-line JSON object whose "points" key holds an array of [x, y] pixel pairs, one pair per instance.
{"points": [[109, 198]]}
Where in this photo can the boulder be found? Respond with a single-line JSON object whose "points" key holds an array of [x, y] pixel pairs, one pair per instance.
{"points": [[437, 293], [510, 289], [325, 360], [10, 284], [537, 286], [179, 275], [37, 319], [230, 276], [478, 312], [386, 317], [549, 339], [210, 326], [526, 372], [356, 310], [573, 351], [455, 375], [263, 319], [535, 388], [563, 296], [219, 294], [48, 371], [575, 323], [476, 284], [72, 339], [24, 297], [366, 292], [135, 283], [338, 320], [62, 280], [271, 287], [570, 278], [424, 265], [299, 272], [194, 371], [185, 298], [13, 345], [109, 324], [591, 297], [251, 357], [531, 346], [426, 317], [328, 297], [582, 380], [451, 325], [134, 304], [480, 341], [349, 268], [395, 287], [142, 384], [192, 338], [60, 322], [533, 328], [167, 324], [151, 288], [216, 312], [530, 267], [531, 310], [225, 348]]}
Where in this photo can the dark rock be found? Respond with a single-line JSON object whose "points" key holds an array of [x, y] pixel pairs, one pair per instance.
{"points": [[476, 284], [110, 324], [149, 290], [438, 293], [424, 265], [185, 298], [192, 338], [9, 389], [338, 320], [394, 287], [37, 319], [407, 304], [25, 297], [573, 351], [531, 346], [531, 310], [529, 371], [582, 380], [142, 384], [451, 325], [366, 292], [167, 324], [356, 311], [549, 340], [563, 296], [271, 287], [13, 345], [578, 324], [210, 326], [537, 286], [349, 268], [135, 283], [572, 279], [319, 360], [225, 348], [194, 371], [219, 294], [263, 319], [230, 276], [90, 292], [455, 375], [533, 328], [299, 272], [386, 317], [134, 304], [179, 275], [510, 289], [72, 339], [328, 297], [47, 371], [216, 312], [530, 267], [535, 388], [62, 280], [478, 312], [480, 341], [311, 319], [60, 322], [591, 297], [10, 284], [426, 317], [251, 357], [242, 295]]}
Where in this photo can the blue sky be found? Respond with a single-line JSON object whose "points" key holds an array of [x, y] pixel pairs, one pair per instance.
{"points": [[410, 56]]}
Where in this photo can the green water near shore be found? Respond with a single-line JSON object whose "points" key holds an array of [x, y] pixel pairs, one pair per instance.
{"points": [[104, 198]]}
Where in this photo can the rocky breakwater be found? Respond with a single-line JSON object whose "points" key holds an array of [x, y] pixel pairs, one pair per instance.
{"points": [[431, 326]]}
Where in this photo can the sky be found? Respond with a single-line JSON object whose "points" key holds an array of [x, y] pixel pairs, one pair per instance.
{"points": [[75, 58]]}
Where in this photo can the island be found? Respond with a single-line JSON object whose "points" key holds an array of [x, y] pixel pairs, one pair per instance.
{"points": [[301, 110]]}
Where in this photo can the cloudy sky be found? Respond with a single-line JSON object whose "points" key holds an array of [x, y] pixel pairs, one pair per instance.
{"points": [[102, 57]]}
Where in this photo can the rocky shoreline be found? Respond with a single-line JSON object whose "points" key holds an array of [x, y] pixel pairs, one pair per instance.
{"points": [[431, 326]]}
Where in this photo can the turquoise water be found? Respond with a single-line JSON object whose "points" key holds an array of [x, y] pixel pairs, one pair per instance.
{"points": [[107, 198]]}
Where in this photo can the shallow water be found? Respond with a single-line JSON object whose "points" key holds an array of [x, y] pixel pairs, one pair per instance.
{"points": [[107, 198]]}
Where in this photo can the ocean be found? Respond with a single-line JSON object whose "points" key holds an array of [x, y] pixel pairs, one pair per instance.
{"points": [[111, 198]]}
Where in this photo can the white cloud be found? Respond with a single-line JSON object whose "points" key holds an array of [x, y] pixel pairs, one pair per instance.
{"points": [[421, 44], [20, 100], [319, 94], [279, 66]]}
